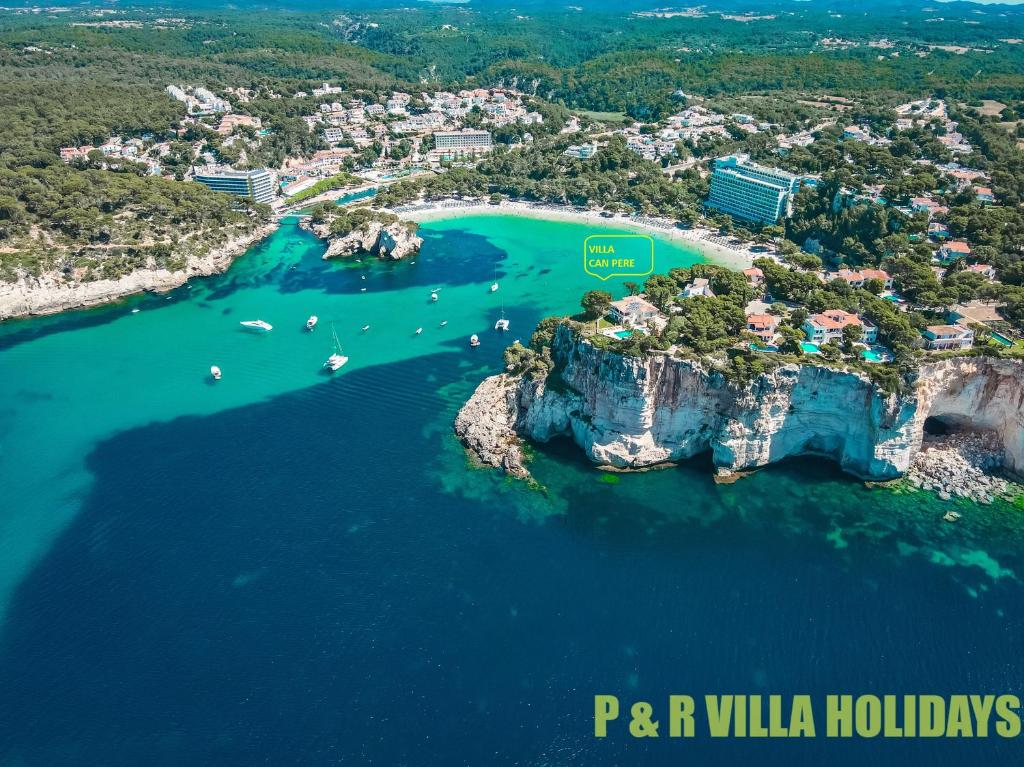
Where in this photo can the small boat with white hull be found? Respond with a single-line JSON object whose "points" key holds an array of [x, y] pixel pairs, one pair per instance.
{"points": [[474, 340], [257, 325], [311, 322], [337, 360], [215, 372], [501, 324]]}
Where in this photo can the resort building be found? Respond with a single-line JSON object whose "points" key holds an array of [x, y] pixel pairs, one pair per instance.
{"points": [[633, 310], [466, 141], [751, 192], [255, 185], [764, 326], [828, 326], [947, 337]]}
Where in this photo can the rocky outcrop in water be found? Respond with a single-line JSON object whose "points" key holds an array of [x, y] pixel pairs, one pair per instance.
{"points": [[634, 412], [395, 241]]}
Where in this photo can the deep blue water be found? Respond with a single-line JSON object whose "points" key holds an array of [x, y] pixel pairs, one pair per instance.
{"points": [[320, 578]]}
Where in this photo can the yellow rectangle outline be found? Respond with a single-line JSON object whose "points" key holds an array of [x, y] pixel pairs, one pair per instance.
{"points": [[589, 237]]}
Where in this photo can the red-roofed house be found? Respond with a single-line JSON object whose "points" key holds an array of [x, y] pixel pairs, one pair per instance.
{"points": [[984, 195], [952, 250], [763, 326], [754, 275], [828, 326], [984, 270]]}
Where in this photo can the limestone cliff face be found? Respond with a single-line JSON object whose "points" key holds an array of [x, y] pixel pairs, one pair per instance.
{"points": [[632, 412], [395, 241]]}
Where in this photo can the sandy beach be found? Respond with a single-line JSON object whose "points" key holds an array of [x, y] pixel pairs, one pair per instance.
{"points": [[704, 240]]}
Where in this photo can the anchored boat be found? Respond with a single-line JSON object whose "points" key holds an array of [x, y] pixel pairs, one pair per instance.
{"points": [[311, 322], [257, 325], [337, 360]]}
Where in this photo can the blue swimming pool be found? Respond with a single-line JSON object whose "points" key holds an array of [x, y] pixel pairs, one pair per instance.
{"points": [[809, 348], [623, 333]]}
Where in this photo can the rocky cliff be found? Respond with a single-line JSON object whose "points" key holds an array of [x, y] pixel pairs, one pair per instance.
{"points": [[56, 292], [395, 241], [632, 412]]}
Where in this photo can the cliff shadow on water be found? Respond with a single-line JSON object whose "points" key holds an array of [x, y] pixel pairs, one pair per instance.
{"points": [[288, 580]]}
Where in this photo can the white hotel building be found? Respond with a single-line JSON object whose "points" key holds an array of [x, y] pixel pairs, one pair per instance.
{"points": [[751, 192]]}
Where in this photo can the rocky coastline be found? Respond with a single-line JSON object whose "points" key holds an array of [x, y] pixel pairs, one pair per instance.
{"points": [[964, 464], [635, 412], [393, 241], [53, 292]]}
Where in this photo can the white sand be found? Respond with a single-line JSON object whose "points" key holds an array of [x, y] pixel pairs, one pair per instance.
{"points": [[697, 237]]}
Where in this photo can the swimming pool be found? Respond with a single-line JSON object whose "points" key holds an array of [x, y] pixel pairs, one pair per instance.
{"points": [[809, 348], [1001, 339], [623, 333], [871, 355], [765, 348]]}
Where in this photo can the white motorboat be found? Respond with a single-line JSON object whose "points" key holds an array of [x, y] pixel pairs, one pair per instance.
{"points": [[494, 287], [474, 340], [433, 296], [311, 322], [135, 311], [337, 360], [443, 323], [365, 328], [419, 330], [257, 325], [215, 372]]}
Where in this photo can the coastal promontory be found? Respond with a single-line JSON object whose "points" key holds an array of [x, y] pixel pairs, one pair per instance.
{"points": [[635, 411]]}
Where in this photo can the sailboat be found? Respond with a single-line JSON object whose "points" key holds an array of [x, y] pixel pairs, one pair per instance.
{"points": [[337, 359], [494, 285], [501, 324]]}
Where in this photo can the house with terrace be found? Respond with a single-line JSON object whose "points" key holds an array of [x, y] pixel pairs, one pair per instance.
{"points": [[947, 337], [634, 311], [764, 326], [828, 326]]}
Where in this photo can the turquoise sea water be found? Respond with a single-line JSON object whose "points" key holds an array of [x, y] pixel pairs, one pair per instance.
{"points": [[290, 568]]}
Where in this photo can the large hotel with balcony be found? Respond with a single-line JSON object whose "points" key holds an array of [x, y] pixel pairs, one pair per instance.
{"points": [[751, 192], [255, 185]]}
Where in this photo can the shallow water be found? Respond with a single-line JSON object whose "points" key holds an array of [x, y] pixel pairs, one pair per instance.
{"points": [[287, 567]]}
